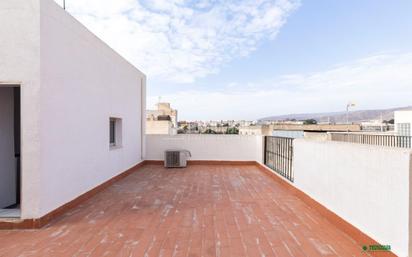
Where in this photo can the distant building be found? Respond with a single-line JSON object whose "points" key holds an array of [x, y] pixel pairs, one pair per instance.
{"points": [[245, 123], [162, 121], [217, 129], [403, 122], [318, 127], [210, 127], [295, 129], [188, 127], [288, 133], [256, 130], [376, 126], [212, 123], [163, 109]]}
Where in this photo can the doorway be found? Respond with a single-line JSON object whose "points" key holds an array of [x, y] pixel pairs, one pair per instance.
{"points": [[10, 146]]}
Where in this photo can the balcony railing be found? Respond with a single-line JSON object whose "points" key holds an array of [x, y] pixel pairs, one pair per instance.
{"points": [[279, 155], [380, 140]]}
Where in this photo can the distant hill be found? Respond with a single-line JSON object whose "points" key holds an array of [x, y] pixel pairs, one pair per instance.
{"points": [[340, 117]]}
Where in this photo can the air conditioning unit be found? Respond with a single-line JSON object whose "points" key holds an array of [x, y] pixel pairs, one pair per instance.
{"points": [[176, 158]]}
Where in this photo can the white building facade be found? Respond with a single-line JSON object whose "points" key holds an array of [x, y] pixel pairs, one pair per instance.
{"points": [[162, 121], [403, 122], [80, 106]]}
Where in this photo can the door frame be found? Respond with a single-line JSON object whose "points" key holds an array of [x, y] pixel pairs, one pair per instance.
{"points": [[17, 95]]}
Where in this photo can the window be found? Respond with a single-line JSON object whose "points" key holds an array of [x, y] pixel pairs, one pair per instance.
{"points": [[404, 129], [115, 132], [112, 132]]}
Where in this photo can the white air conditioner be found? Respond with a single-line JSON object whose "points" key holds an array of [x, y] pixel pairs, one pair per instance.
{"points": [[176, 158]]}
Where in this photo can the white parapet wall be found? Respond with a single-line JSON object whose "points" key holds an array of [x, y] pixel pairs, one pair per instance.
{"points": [[207, 147], [368, 186]]}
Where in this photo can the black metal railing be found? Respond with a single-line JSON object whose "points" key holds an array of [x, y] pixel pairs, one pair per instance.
{"points": [[279, 155], [381, 140]]}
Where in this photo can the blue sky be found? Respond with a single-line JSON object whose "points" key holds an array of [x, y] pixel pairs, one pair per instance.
{"points": [[249, 59], [320, 34]]}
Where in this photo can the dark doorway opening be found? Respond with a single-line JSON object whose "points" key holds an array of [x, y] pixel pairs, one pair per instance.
{"points": [[10, 151], [17, 143]]}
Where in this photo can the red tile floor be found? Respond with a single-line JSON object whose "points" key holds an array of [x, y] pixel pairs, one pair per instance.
{"points": [[203, 210]]}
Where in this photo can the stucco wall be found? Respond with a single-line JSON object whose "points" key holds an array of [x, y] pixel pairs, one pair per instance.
{"points": [[207, 147], [20, 65], [368, 186], [83, 83], [71, 83]]}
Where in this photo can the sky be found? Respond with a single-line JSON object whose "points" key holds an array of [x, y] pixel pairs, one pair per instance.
{"points": [[248, 59]]}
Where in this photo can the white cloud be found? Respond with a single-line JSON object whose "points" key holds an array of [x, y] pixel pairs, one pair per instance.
{"points": [[378, 81], [181, 40]]}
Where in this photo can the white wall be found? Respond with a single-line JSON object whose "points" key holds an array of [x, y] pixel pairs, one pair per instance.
{"points": [[207, 147], [83, 84], [368, 186], [160, 127], [71, 84], [20, 65], [7, 160], [403, 117]]}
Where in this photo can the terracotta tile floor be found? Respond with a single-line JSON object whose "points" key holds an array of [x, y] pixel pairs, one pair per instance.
{"points": [[228, 211]]}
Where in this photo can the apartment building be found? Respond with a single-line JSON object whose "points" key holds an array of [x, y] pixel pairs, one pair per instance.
{"points": [[403, 122], [163, 120]]}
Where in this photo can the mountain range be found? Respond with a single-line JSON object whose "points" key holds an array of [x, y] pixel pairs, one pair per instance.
{"points": [[340, 117]]}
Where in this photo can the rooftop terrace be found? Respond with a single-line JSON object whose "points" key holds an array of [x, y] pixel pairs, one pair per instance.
{"points": [[203, 210]]}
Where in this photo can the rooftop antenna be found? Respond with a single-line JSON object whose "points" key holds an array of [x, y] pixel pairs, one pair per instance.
{"points": [[350, 104], [159, 99], [64, 4]]}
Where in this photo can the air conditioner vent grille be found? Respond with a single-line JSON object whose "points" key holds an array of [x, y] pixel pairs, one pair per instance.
{"points": [[176, 158], [172, 159]]}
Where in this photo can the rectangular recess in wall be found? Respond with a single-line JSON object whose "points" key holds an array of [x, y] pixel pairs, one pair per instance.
{"points": [[115, 133]]}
